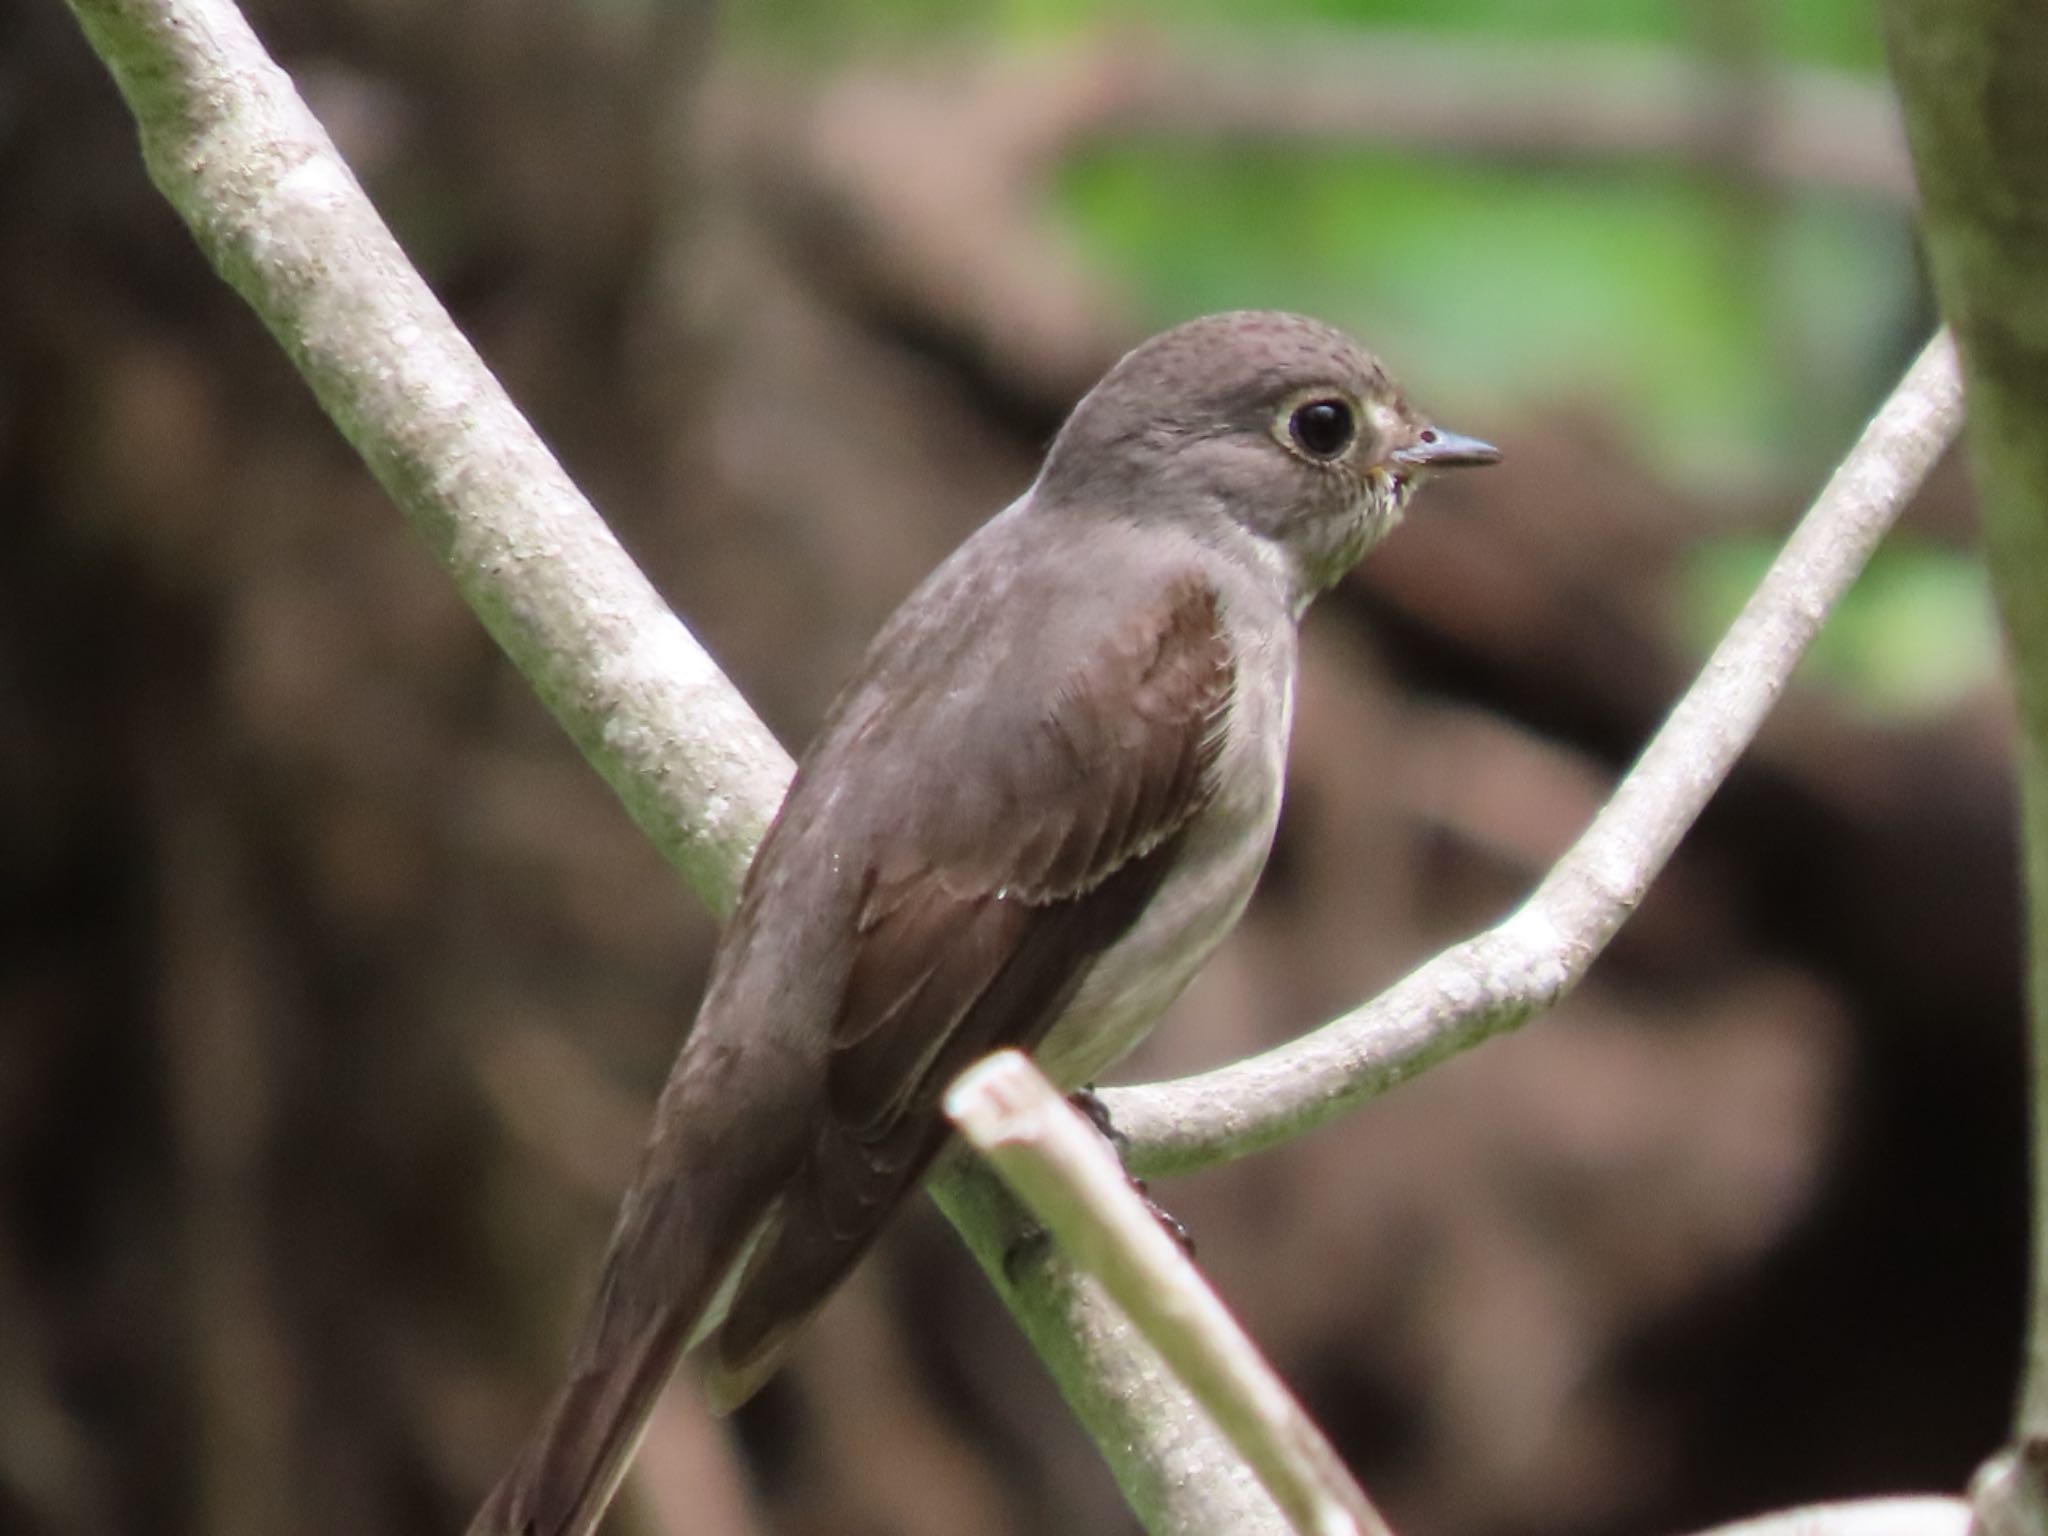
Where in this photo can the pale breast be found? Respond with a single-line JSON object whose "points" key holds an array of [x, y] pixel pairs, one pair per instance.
{"points": [[1218, 864]]}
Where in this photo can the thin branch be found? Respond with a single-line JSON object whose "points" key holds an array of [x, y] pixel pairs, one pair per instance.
{"points": [[1171, 1464], [1911, 1515], [238, 155], [1502, 977], [2006, 1494], [1074, 1184]]}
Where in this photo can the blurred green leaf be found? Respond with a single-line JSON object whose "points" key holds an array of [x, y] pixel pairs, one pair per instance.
{"points": [[1736, 337], [1840, 32], [1727, 341]]}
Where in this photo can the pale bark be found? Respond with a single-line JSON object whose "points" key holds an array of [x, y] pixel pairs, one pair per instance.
{"points": [[1067, 1173]]}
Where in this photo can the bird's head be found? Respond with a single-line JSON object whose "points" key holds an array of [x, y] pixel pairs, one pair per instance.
{"points": [[1273, 423]]}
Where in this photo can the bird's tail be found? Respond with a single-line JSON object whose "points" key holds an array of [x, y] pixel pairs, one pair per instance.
{"points": [[569, 1470], [682, 1241]]}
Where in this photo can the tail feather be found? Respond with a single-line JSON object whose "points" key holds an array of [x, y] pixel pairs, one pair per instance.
{"points": [[566, 1476], [680, 1239], [732, 1127]]}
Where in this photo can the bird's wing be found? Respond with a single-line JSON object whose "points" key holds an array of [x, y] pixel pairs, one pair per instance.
{"points": [[980, 904], [980, 915]]}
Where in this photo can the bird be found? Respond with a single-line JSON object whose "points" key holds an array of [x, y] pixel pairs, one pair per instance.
{"points": [[1041, 801]]}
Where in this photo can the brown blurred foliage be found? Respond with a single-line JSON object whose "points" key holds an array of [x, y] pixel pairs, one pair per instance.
{"points": [[335, 989]]}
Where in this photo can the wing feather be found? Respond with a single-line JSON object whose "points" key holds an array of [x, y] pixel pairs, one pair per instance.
{"points": [[974, 932]]}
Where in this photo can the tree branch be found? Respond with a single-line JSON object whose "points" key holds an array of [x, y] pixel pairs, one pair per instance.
{"points": [[1907, 1515], [1074, 1184], [237, 154], [1502, 977], [1171, 1464]]}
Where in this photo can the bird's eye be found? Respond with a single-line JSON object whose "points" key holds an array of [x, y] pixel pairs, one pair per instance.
{"points": [[1323, 428]]}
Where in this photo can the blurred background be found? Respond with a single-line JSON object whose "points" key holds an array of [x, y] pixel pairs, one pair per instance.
{"points": [[334, 989]]}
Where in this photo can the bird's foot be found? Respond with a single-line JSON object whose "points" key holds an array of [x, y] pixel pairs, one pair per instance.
{"points": [[1096, 1113], [1175, 1227], [1090, 1104]]}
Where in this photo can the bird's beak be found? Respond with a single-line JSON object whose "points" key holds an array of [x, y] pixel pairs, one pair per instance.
{"points": [[1435, 448]]}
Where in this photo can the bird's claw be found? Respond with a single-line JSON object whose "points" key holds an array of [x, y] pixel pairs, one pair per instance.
{"points": [[1096, 1113], [1090, 1104]]}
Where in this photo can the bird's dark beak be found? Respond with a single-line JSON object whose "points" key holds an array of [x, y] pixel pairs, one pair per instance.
{"points": [[1435, 448]]}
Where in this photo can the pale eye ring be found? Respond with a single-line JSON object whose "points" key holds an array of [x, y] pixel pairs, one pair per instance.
{"points": [[1323, 428]]}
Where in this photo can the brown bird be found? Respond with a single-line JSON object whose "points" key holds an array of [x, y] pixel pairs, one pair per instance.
{"points": [[1037, 807]]}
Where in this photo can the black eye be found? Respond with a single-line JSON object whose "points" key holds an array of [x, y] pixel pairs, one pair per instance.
{"points": [[1322, 428]]}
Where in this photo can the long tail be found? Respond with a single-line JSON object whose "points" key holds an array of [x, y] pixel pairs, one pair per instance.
{"points": [[684, 1233], [567, 1473]]}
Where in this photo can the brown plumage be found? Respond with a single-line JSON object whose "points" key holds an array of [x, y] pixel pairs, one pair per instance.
{"points": [[1038, 805]]}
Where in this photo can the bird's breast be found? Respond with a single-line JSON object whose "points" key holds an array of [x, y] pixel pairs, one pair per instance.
{"points": [[1216, 866]]}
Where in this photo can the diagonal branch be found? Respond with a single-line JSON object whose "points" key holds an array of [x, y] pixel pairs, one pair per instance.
{"points": [[1504, 976], [238, 155], [1174, 1469], [1071, 1179]]}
